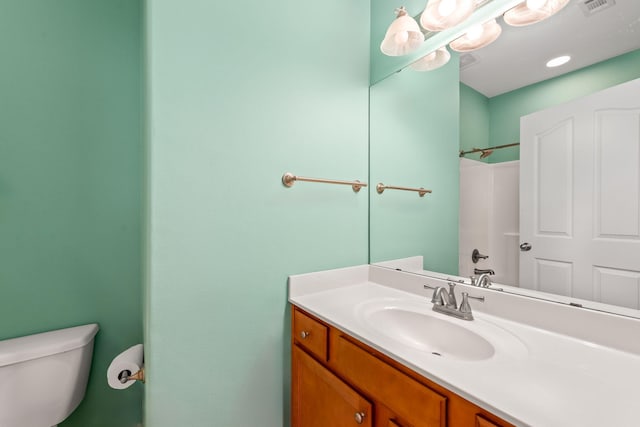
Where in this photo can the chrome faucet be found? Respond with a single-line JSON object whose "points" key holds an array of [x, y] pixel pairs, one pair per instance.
{"points": [[445, 302], [444, 298], [483, 281]]}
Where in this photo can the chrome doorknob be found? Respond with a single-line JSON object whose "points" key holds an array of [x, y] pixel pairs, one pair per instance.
{"points": [[524, 247], [359, 417]]}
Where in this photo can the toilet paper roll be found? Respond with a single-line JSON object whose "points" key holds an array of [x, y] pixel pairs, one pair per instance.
{"points": [[130, 360]]}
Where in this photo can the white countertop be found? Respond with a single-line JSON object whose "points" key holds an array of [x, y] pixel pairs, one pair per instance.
{"points": [[537, 377]]}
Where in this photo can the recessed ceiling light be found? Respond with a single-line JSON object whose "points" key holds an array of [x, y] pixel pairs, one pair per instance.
{"points": [[560, 60]]}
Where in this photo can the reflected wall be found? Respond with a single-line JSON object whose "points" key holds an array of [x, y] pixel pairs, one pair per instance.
{"points": [[414, 141], [502, 113]]}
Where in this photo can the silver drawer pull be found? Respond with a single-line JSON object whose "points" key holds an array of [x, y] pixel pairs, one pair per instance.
{"points": [[304, 334], [359, 417]]}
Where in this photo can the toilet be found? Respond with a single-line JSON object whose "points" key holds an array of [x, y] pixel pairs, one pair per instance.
{"points": [[43, 377]]}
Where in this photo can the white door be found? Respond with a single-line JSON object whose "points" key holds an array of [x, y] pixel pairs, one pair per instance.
{"points": [[580, 197]]}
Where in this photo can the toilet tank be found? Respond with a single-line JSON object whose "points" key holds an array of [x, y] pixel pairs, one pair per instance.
{"points": [[43, 377]]}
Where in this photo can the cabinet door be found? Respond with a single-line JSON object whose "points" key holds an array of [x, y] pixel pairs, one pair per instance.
{"points": [[320, 399], [483, 422]]}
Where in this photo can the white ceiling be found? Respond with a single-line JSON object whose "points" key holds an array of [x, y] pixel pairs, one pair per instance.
{"points": [[518, 57]]}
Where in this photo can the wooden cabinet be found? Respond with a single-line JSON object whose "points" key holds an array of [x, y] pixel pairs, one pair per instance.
{"points": [[322, 399], [338, 381]]}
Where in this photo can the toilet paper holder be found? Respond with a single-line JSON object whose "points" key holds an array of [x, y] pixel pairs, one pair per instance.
{"points": [[126, 376]]}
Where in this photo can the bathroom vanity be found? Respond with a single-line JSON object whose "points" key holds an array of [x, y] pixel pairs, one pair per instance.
{"points": [[333, 369], [367, 349]]}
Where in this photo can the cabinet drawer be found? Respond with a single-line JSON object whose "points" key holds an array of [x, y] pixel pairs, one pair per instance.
{"points": [[409, 399], [310, 334]]}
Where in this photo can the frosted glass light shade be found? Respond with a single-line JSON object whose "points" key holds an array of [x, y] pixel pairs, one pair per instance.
{"points": [[442, 14], [403, 35], [532, 11], [477, 37], [435, 59]]}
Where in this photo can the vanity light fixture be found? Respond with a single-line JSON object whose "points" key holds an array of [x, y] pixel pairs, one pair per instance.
{"points": [[560, 60], [442, 14], [435, 59], [403, 35], [531, 11], [477, 37]]}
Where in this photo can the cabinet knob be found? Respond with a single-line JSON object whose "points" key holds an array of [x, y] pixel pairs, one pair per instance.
{"points": [[304, 334], [359, 417]]}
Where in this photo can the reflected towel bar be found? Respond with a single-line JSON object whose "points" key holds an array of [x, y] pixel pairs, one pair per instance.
{"points": [[486, 152], [381, 187], [288, 179]]}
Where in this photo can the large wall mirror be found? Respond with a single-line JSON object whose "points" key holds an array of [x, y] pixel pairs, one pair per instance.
{"points": [[420, 123]]}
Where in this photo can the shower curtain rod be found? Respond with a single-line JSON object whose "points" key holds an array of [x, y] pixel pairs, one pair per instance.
{"points": [[486, 152]]}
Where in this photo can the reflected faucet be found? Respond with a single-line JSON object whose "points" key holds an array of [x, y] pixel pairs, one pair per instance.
{"points": [[484, 281], [481, 271]]}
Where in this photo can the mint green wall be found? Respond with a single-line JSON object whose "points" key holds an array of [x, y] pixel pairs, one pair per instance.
{"points": [[70, 182], [237, 97], [507, 109], [474, 121], [414, 143]]}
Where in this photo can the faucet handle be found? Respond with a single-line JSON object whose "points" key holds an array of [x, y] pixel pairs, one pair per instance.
{"points": [[465, 308], [436, 298], [452, 295], [477, 256]]}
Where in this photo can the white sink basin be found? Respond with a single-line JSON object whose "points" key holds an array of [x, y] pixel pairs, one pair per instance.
{"points": [[415, 325], [429, 333]]}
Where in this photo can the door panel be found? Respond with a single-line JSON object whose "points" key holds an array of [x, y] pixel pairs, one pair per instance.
{"points": [[618, 148], [553, 151], [619, 287], [554, 276]]}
